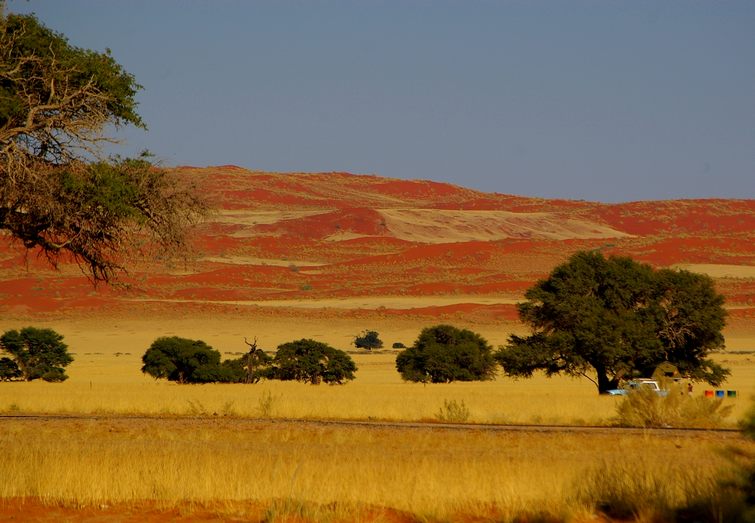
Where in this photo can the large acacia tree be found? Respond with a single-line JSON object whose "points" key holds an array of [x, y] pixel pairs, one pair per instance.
{"points": [[608, 318], [59, 194]]}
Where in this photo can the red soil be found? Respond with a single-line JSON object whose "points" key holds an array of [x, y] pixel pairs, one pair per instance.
{"points": [[151, 512], [361, 221], [664, 233]]}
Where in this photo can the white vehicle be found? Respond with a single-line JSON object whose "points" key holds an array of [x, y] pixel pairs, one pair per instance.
{"points": [[639, 384]]}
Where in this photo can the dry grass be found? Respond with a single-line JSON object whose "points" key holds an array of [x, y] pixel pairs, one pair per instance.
{"points": [[105, 383], [326, 473], [431, 473]]}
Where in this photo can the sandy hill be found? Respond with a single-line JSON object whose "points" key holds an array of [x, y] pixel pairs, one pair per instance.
{"points": [[337, 240]]}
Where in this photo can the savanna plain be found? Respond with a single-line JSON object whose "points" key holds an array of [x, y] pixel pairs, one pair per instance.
{"points": [[117, 445]]}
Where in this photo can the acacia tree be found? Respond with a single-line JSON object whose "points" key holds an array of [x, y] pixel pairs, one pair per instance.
{"points": [[368, 340], [34, 354], [614, 317], [58, 193], [188, 361], [443, 354], [312, 362]]}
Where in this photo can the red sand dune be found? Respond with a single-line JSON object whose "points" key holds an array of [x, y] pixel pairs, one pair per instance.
{"points": [[302, 235]]}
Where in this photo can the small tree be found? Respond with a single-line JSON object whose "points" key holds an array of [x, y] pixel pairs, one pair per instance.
{"points": [[443, 354], [368, 340], [34, 354], [312, 362]]}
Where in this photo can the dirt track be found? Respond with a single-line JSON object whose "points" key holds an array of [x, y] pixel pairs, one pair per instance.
{"points": [[379, 424]]}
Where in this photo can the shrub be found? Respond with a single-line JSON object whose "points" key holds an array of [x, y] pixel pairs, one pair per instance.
{"points": [[645, 408], [312, 362], [368, 340], [453, 412], [34, 354], [443, 354], [398, 345]]}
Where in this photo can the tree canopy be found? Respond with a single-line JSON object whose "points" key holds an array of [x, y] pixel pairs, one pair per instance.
{"points": [[34, 354], [58, 193], [312, 362], [443, 354], [189, 361], [613, 318]]}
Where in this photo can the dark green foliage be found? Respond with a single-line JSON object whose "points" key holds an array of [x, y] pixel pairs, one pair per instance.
{"points": [[34, 354], [9, 370], [188, 361], [57, 194], [193, 361], [615, 317], [251, 367], [443, 354], [398, 345], [312, 362], [44, 54], [368, 340]]}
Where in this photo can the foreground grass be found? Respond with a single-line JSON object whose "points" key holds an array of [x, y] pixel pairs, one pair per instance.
{"points": [[327, 472]]}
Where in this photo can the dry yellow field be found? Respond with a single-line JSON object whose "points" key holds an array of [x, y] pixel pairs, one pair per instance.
{"points": [[199, 444], [106, 378], [334, 472]]}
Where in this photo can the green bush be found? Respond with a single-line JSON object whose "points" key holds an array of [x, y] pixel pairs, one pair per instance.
{"points": [[443, 354], [33, 354]]}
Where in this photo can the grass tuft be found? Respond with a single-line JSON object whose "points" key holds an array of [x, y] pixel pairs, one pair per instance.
{"points": [[453, 412], [645, 408]]}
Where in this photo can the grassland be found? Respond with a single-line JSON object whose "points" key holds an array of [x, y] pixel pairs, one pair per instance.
{"points": [[103, 379], [199, 448], [325, 472]]}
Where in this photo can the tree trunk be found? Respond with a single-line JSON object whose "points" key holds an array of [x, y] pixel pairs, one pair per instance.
{"points": [[604, 382]]}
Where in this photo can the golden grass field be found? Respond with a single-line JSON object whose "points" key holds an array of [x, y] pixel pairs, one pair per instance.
{"points": [[106, 378], [198, 445], [335, 472]]}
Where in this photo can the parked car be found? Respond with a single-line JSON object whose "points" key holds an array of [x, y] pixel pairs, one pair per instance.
{"points": [[639, 384]]}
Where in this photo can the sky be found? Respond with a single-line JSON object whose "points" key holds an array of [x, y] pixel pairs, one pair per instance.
{"points": [[598, 100]]}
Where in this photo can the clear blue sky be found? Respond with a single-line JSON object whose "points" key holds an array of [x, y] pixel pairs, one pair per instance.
{"points": [[598, 100]]}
